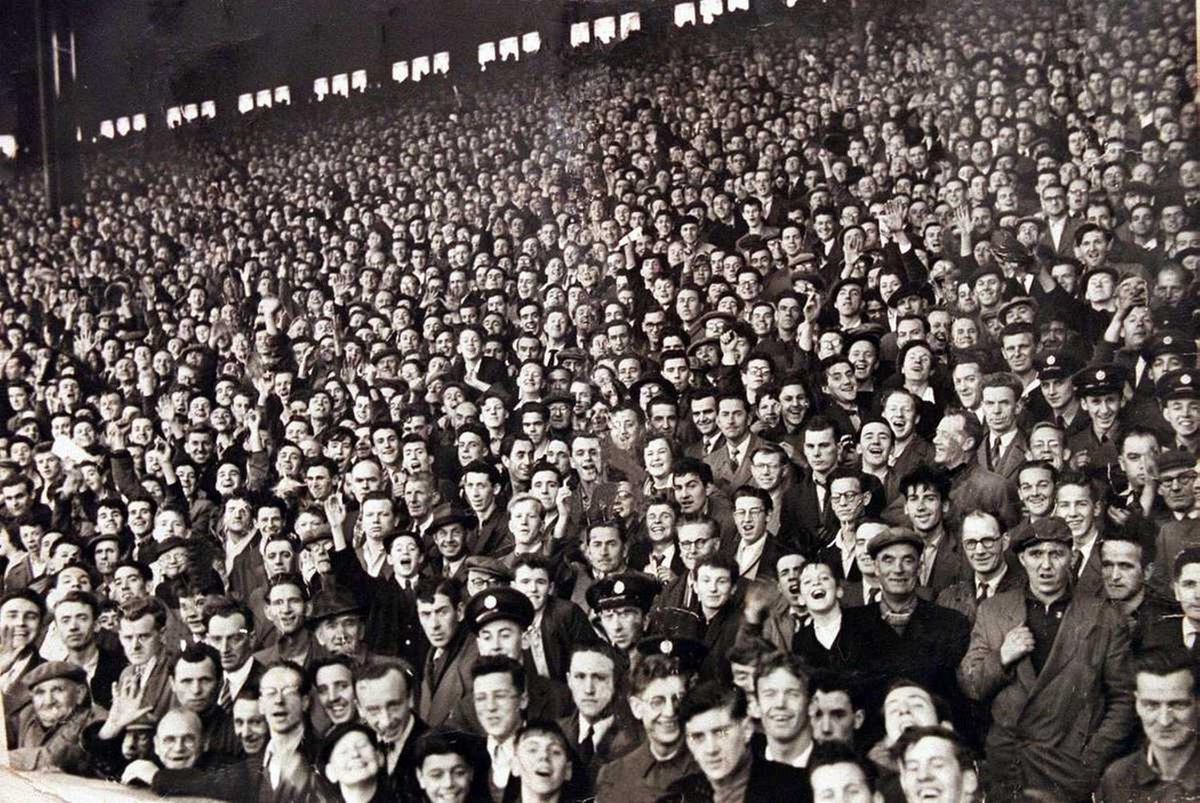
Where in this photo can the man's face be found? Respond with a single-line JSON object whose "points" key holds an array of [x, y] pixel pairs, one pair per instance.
{"points": [[385, 704], [783, 703], [1048, 565], [1073, 504], [930, 771], [704, 415], [1122, 568], [591, 680], [1177, 488], [846, 497], [604, 550], [714, 587], [378, 518], [544, 764], [843, 782], [250, 726], [718, 742], [533, 583], [140, 638], [55, 700], [820, 449], [906, 707], [750, 517], [178, 740], [1187, 591], [76, 624], [498, 704], [657, 706], [445, 778], [286, 608], [898, 567], [281, 702], [194, 684], [1166, 705], [1000, 409], [501, 637], [925, 507], [334, 685], [439, 619], [341, 634], [229, 636], [833, 718]]}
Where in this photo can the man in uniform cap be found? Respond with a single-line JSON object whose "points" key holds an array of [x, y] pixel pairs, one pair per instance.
{"points": [[1179, 395], [1100, 389], [1055, 665], [1054, 398], [499, 617], [622, 602], [50, 724]]}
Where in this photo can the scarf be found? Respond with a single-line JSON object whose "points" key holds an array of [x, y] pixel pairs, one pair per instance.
{"points": [[898, 619]]}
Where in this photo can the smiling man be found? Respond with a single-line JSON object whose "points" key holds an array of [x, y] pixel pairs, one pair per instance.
{"points": [[1060, 711], [384, 697], [935, 766], [1166, 701], [781, 697], [717, 729]]}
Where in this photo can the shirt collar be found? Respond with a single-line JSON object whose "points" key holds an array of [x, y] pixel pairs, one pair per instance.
{"points": [[239, 676], [286, 745]]}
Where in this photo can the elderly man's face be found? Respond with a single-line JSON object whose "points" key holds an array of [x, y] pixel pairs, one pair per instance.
{"points": [[55, 700]]}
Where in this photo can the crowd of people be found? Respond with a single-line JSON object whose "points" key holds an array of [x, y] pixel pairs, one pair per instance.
{"points": [[808, 411]]}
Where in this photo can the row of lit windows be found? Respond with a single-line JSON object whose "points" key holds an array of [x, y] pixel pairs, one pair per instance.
{"points": [[511, 48]]}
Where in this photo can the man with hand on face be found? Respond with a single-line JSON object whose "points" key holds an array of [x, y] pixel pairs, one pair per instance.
{"points": [[1167, 700], [602, 728], [499, 617], [717, 729], [1060, 711]]}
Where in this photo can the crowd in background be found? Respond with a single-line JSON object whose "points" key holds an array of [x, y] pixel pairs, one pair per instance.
{"points": [[810, 406]]}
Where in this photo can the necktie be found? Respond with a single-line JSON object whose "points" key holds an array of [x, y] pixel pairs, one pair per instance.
{"points": [[226, 696], [587, 746], [982, 592], [139, 674], [993, 453], [500, 766], [1076, 561]]}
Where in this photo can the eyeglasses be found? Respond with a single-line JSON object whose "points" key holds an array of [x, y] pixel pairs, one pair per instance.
{"points": [[980, 543], [847, 496], [659, 702], [279, 694], [692, 546]]}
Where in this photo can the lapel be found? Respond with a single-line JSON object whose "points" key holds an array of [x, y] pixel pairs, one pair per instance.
{"points": [[1075, 629], [1010, 613]]}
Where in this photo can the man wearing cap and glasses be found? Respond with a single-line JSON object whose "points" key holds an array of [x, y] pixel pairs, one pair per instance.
{"points": [[1055, 664]]}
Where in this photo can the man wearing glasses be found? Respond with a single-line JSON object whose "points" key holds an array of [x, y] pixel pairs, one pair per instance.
{"points": [[698, 540], [284, 772], [984, 547]]}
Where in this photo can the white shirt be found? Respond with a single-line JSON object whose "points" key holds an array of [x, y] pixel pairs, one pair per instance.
{"points": [[1190, 631], [1086, 551], [847, 551], [667, 557], [596, 730], [991, 585], [749, 557], [279, 751], [827, 632], [373, 558], [799, 762], [502, 754], [1005, 441], [737, 452]]}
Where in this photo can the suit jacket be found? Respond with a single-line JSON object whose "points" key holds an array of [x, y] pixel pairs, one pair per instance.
{"points": [[961, 596], [621, 738], [1009, 460], [821, 521], [1065, 247], [444, 682], [156, 687], [1091, 580], [392, 627], [846, 654], [1058, 729], [949, 565], [1173, 538], [768, 779], [247, 780], [402, 782], [1132, 780], [108, 672], [564, 624], [973, 486], [726, 475], [772, 551]]}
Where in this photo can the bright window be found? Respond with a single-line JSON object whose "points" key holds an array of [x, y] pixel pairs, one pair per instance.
{"points": [[207, 109], [710, 9], [629, 23], [263, 98], [531, 42], [685, 14], [605, 29], [8, 146], [510, 48], [487, 54], [358, 80], [283, 95], [107, 130], [739, 5], [581, 33], [123, 125], [340, 85], [420, 67], [139, 122], [321, 88], [441, 62], [245, 102], [400, 72], [190, 112], [174, 117]]}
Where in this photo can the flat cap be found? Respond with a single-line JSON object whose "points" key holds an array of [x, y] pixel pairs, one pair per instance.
{"points": [[1047, 530], [54, 670], [333, 602], [489, 566], [892, 536], [498, 603], [1175, 460]]}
